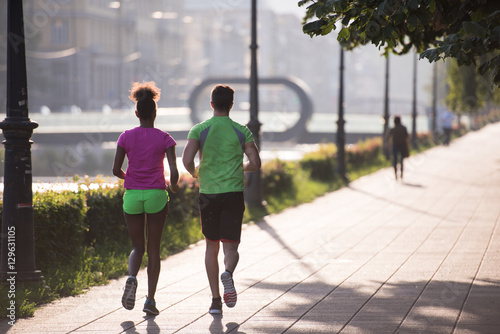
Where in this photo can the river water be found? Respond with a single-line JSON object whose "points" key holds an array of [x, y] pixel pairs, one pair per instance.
{"points": [[55, 165]]}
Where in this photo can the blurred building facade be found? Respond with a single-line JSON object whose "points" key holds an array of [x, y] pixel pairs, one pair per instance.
{"points": [[86, 53]]}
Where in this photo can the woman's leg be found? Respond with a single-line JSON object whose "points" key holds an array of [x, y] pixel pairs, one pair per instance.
{"points": [[155, 222], [135, 226]]}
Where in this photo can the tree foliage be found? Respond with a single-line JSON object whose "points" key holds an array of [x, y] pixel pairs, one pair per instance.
{"points": [[468, 91], [466, 30], [462, 96]]}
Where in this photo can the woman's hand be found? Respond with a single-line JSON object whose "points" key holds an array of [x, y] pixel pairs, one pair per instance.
{"points": [[174, 188]]}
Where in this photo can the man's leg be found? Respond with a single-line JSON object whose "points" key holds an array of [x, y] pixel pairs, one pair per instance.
{"points": [[395, 161], [231, 258], [212, 266], [447, 133], [231, 221], [231, 255], [402, 158]]}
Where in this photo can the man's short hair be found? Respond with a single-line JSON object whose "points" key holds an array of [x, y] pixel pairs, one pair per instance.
{"points": [[397, 119], [222, 97]]}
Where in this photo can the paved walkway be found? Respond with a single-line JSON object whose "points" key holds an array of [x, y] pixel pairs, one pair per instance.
{"points": [[419, 256]]}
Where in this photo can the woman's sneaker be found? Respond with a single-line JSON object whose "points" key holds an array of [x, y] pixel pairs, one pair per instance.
{"points": [[230, 296], [216, 307], [128, 298], [150, 307]]}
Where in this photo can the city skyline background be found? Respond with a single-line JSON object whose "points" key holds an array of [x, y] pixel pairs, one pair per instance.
{"points": [[83, 55], [86, 54]]}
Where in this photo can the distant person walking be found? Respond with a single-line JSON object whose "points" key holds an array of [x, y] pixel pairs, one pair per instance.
{"points": [[447, 118], [221, 143], [145, 202], [398, 136]]}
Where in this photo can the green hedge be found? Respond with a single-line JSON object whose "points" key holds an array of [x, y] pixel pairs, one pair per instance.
{"points": [[183, 226], [320, 164], [485, 117], [104, 219], [283, 182], [59, 224], [277, 178]]}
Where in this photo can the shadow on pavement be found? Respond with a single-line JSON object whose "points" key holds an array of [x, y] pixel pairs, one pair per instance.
{"points": [[272, 232], [415, 185], [411, 208], [152, 327], [233, 328], [129, 327], [418, 307], [463, 179], [216, 325]]}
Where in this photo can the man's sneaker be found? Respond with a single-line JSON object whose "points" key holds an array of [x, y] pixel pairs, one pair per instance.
{"points": [[128, 299], [216, 307], [150, 307], [230, 295]]}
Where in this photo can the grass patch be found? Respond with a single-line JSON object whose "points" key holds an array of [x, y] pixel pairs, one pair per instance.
{"points": [[92, 268]]}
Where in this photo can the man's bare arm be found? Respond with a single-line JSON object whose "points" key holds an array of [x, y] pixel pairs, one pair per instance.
{"points": [[252, 152], [188, 155]]}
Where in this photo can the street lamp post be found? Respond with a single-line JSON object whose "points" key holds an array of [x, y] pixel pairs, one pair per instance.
{"points": [[434, 102], [254, 185], [414, 105], [386, 107], [341, 165], [18, 244]]}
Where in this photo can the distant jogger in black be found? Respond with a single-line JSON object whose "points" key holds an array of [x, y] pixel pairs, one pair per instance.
{"points": [[398, 135]]}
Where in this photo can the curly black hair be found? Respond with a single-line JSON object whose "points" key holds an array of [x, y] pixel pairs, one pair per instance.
{"points": [[145, 94]]}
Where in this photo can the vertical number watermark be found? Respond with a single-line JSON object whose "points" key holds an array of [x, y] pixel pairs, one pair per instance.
{"points": [[11, 274]]}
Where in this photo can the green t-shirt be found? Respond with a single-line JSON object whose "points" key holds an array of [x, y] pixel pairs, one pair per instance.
{"points": [[222, 143]]}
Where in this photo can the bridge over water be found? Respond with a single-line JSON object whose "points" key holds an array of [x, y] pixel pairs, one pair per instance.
{"points": [[287, 114], [66, 144], [99, 127], [83, 142]]}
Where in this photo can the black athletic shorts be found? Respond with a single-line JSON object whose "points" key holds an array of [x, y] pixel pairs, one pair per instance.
{"points": [[222, 216]]}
